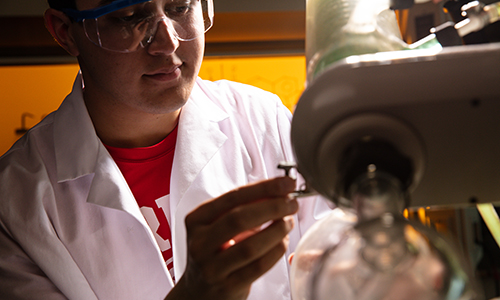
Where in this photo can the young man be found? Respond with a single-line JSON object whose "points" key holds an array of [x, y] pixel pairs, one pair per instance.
{"points": [[109, 197]]}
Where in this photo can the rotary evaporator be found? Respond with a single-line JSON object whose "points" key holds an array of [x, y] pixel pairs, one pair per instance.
{"points": [[396, 126]]}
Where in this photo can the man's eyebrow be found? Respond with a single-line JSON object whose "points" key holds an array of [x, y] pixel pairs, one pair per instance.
{"points": [[105, 2]]}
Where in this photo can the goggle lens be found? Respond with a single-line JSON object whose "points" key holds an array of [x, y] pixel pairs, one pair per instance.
{"points": [[130, 28]]}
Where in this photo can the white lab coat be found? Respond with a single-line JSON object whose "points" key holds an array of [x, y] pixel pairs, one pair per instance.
{"points": [[70, 226]]}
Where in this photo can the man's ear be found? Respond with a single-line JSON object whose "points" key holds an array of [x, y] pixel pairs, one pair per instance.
{"points": [[58, 23]]}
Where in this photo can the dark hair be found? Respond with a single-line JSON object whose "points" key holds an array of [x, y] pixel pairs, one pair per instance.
{"points": [[58, 4]]}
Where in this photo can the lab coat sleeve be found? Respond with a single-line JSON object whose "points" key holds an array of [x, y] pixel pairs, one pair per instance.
{"points": [[20, 278], [34, 263]]}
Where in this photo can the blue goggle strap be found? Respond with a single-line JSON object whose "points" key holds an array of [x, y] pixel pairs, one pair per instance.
{"points": [[80, 15]]}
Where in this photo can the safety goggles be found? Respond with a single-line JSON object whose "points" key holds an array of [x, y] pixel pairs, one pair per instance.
{"points": [[128, 25]]}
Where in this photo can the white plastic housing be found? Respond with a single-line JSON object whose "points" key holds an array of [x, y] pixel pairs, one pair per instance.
{"points": [[441, 109]]}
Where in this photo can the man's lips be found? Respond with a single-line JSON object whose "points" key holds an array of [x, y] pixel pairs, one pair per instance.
{"points": [[165, 74]]}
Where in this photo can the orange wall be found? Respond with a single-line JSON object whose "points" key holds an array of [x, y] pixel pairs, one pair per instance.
{"points": [[38, 90], [283, 75]]}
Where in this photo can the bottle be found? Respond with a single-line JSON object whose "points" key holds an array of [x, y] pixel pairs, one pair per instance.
{"points": [[336, 29]]}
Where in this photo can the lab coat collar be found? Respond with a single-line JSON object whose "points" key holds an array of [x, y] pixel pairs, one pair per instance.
{"points": [[199, 138], [75, 136]]}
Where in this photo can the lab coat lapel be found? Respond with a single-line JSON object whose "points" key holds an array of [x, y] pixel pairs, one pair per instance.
{"points": [[199, 139], [108, 187]]}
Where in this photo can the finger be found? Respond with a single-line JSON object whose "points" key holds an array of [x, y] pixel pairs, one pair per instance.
{"points": [[213, 209], [254, 247], [206, 241], [252, 271], [239, 237], [251, 216]]}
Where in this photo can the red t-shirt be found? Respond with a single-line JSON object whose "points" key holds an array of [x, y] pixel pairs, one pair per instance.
{"points": [[147, 172]]}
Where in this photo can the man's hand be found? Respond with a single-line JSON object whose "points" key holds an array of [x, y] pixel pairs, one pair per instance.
{"points": [[228, 248]]}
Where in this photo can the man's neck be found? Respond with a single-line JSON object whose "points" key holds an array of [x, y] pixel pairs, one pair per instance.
{"points": [[129, 128]]}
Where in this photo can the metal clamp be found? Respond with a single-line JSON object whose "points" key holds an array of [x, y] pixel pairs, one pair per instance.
{"points": [[304, 190]]}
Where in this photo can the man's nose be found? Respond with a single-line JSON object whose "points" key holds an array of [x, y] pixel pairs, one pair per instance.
{"points": [[164, 40]]}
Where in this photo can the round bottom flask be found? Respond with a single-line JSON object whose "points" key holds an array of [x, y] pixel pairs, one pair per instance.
{"points": [[387, 258], [324, 234]]}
